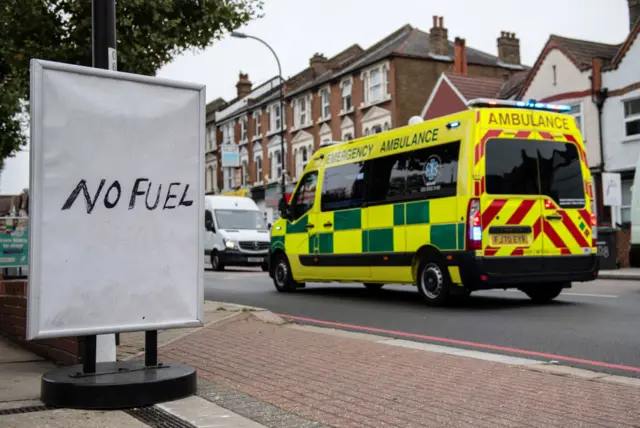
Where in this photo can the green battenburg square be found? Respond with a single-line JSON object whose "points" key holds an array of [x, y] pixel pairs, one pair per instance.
{"points": [[277, 242], [582, 226], [443, 236], [461, 236], [365, 241], [299, 227], [347, 220], [312, 244], [380, 240], [325, 243], [417, 213], [398, 215]]}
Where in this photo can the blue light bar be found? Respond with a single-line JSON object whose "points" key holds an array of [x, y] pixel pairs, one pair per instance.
{"points": [[452, 125], [531, 104]]}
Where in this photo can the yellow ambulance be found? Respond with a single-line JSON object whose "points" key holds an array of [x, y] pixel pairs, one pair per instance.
{"points": [[497, 196]]}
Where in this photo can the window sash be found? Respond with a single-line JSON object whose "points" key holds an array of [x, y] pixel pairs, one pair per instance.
{"points": [[325, 103]]}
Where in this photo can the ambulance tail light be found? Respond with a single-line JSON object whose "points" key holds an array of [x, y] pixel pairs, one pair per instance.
{"points": [[594, 224], [474, 226]]}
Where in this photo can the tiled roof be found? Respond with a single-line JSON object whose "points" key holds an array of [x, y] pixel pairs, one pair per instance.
{"points": [[475, 87], [583, 51], [512, 86]]}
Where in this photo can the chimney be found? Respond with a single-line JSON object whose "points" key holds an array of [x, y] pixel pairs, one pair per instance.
{"points": [[509, 48], [319, 63], [438, 37], [243, 86], [634, 13], [460, 59]]}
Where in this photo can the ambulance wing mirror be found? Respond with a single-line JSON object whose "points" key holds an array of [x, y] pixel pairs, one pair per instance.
{"points": [[283, 208]]}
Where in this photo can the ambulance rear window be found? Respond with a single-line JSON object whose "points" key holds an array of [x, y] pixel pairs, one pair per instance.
{"points": [[532, 167]]}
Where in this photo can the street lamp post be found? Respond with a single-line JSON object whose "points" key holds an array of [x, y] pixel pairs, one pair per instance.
{"points": [[239, 35]]}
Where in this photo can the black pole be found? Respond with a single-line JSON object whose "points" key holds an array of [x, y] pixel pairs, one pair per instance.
{"points": [[151, 348], [103, 34]]}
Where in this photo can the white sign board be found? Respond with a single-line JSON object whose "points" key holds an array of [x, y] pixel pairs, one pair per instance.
{"points": [[230, 156], [611, 189], [117, 197]]}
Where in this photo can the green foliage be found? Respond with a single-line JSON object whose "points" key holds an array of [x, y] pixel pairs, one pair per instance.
{"points": [[150, 33]]}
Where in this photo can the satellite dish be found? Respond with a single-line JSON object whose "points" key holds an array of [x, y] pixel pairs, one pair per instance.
{"points": [[415, 120]]}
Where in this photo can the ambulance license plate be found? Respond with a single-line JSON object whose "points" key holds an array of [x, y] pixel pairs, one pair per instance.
{"points": [[255, 259], [519, 240]]}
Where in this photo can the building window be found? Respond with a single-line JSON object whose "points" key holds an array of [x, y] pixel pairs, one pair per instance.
{"points": [[625, 208], [386, 126], [325, 103], [376, 82], [301, 112], [258, 162], [209, 178], [245, 172], [576, 112], [211, 137], [276, 122], [376, 129], [347, 137], [305, 157], [227, 133], [555, 75], [632, 117], [243, 129], [258, 126], [366, 132], [346, 96], [276, 165]]}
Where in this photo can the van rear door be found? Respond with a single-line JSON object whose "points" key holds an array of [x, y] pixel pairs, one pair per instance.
{"points": [[511, 204], [547, 175]]}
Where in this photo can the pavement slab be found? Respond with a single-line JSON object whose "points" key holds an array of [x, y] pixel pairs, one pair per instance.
{"points": [[345, 382], [65, 418]]}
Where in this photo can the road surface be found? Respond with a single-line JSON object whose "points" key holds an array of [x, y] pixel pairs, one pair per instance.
{"points": [[598, 321]]}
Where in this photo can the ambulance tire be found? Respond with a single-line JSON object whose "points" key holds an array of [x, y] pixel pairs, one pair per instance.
{"points": [[373, 287], [282, 278], [434, 284], [216, 263], [545, 293]]}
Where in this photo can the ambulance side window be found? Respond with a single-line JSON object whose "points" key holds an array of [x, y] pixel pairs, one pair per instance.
{"points": [[388, 179], [343, 187], [433, 172], [303, 199]]}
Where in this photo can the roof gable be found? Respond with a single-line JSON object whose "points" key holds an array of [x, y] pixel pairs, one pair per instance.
{"points": [[301, 136], [374, 113]]}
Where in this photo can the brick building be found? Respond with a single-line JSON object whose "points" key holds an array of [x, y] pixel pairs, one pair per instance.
{"points": [[455, 88], [355, 93]]}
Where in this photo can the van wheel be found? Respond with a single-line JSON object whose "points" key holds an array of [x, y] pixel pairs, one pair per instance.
{"points": [[373, 287], [282, 278], [544, 293], [433, 283], [216, 263], [265, 267]]}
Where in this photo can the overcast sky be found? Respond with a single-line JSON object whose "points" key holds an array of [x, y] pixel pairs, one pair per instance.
{"points": [[298, 28]]}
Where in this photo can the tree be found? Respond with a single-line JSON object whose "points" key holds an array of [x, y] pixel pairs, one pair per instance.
{"points": [[150, 33]]}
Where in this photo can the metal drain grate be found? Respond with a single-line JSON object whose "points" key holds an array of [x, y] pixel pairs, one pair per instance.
{"points": [[158, 418], [29, 409]]}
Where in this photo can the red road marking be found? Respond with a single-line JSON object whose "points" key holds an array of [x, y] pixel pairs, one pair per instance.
{"points": [[467, 343]]}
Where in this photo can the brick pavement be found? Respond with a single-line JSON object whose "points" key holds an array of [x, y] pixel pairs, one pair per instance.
{"points": [[346, 382]]}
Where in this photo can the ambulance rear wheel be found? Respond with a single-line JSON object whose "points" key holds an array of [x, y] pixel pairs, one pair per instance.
{"points": [[373, 287], [434, 284], [543, 293], [282, 278]]}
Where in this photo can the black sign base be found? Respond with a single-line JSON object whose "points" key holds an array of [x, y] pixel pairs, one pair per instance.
{"points": [[117, 385]]}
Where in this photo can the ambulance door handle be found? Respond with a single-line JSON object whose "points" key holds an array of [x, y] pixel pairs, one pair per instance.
{"points": [[554, 217], [310, 226], [328, 224]]}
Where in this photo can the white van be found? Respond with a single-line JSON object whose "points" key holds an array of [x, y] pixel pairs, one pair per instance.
{"points": [[235, 232]]}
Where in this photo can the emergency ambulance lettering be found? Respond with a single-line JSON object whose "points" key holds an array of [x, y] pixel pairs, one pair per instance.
{"points": [[349, 154], [529, 120], [409, 141]]}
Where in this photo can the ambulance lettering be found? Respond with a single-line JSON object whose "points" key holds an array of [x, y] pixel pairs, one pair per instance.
{"points": [[424, 137], [349, 154], [529, 119]]}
